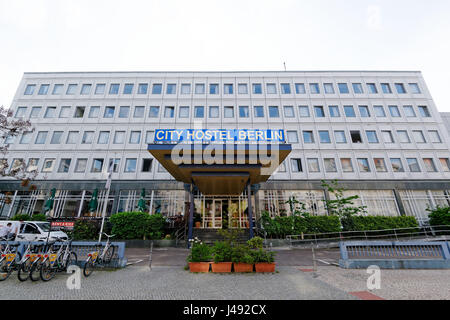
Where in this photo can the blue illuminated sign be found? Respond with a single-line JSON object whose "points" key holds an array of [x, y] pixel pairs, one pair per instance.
{"points": [[218, 135]]}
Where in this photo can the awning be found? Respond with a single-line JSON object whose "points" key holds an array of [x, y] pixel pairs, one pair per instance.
{"points": [[234, 165]]}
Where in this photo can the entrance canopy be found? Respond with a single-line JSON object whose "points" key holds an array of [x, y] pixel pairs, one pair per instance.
{"points": [[220, 168]]}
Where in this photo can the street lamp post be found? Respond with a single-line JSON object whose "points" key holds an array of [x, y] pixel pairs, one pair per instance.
{"points": [[107, 187]]}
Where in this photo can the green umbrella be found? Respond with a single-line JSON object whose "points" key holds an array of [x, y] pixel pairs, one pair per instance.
{"points": [[49, 203], [93, 204], [141, 204]]}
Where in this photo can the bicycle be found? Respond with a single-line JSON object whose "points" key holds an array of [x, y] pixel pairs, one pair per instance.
{"points": [[96, 258], [9, 260], [35, 270], [29, 256], [58, 261]]}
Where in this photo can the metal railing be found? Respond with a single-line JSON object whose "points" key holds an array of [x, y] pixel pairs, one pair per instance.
{"points": [[424, 232]]}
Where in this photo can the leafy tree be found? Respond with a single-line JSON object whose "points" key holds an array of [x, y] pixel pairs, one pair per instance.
{"points": [[439, 216], [341, 206]]}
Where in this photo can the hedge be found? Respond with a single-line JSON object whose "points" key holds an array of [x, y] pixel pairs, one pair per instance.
{"points": [[26, 217], [85, 230], [361, 223], [440, 216], [137, 225]]}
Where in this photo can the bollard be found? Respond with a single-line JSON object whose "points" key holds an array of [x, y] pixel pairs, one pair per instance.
{"points": [[151, 252]]}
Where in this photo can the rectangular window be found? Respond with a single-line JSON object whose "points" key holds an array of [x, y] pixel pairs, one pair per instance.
{"points": [[97, 165], [43, 90], [185, 88], [79, 112], [244, 112], [349, 112], [300, 88], [379, 111], [64, 165], [154, 112], [424, 113], [259, 111], [303, 111], [372, 136], [94, 112], [35, 112], [413, 164], [81, 165], [157, 88], [292, 137], [147, 165], [397, 165], [395, 113], [169, 112], [372, 88], [346, 164], [109, 112], [429, 165], [330, 165], [386, 87], [50, 112], [308, 137], [380, 165], [58, 89], [273, 112], [199, 88], [213, 88], [257, 88], [296, 165], [339, 137], [409, 111], [88, 137], [49, 164], [271, 88], [135, 137], [128, 88], [130, 165], [64, 112], [32, 164], [119, 137], [103, 137], [143, 88], [334, 111], [387, 136], [71, 89], [403, 136], [114, 88], [124, 111], [363, 165], [183, 112], [414, 87], [26, 137], [418, 136], [100, 88], [21, 111], [242, 88], [86, 89], [149, 136], [29, 90], [228, 112], [356, 136], [400, 88], [324, 136], [328, 88], [445, 163], [171, 88], [319, 112], [434, 136], [199, 112], [364, 111], [289, 112], [285, 88], [314, 88], [357, 88], [313, 165], [114, 165], [343, 88], [228, 88], [56, 137]]}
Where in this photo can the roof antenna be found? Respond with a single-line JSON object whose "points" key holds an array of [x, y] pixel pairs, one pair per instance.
{"points": [[284, 64]]}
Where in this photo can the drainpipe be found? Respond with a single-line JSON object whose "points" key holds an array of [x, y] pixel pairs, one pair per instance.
{"points": [[191, 214], [250, 213]]}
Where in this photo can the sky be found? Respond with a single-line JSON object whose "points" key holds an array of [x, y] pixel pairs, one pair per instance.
{"points": [[228, 35]]}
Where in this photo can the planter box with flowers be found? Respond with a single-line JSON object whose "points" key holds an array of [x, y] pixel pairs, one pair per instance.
{"points": [[200, 257]]}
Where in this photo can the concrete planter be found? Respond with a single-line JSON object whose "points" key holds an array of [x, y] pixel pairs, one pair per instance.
{"points": [[265, 267], [199, 266], [221, 267], [243, 267]]}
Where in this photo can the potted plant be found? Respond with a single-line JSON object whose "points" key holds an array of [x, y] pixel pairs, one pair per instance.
{"points": [[222, 257], [200, 257], [264, 260], [242, 259], [197, 220]]}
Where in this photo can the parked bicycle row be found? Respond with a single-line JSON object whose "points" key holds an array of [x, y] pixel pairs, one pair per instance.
{"points": [[44, 261]]}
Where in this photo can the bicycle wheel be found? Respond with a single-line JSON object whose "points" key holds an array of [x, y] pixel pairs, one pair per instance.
{"points": [[35, 270], [24, 270], [71, 259], [88, 267], [5, 270], [47, 272], [108, 255]]}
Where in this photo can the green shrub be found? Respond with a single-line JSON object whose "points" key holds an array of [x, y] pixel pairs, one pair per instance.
{"points": [[21, 217], [242, 254], [39, 217], [361, 223], [200, 252], [263, 256], [316, 224], [84, 230], [137, 225], [255, 243], [222, 251], [440, 216]]}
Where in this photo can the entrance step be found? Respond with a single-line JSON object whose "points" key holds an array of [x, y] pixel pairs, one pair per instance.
{"points": [[211, 235]]}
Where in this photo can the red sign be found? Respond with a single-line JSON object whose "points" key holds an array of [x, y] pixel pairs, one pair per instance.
{"points": [[65, 224]]}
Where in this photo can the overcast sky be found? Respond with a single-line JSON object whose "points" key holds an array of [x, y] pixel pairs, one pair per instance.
{"points": [[182, 35]]}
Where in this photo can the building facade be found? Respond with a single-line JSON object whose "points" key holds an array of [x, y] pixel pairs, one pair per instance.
{"points": [[378, 133]]}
